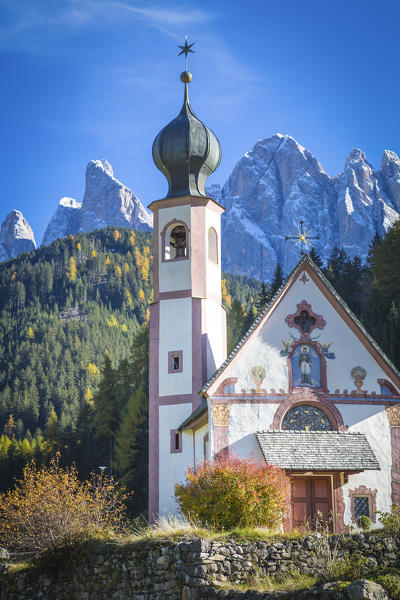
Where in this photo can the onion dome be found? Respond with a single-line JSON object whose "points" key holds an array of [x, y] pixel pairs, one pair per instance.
{"points": [[186, 151]]}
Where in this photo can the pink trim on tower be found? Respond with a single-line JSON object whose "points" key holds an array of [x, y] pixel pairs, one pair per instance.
{"points": [[174, 295], [171, 356], [154, 412], [184, 200], [197, 352], [308, 396], [175, 399], [163, 233], [204, 340], [156, 257]]}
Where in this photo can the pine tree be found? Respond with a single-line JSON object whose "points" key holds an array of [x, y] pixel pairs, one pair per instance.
{"points": [[262, 297], [105, 419], [315, 257], [276, 282], [9, 427], [235, 320]]}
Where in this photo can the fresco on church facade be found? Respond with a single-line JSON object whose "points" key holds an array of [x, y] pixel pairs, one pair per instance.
{"points": [[358, 374], [325, 348], [258, 374], [306, 367]]}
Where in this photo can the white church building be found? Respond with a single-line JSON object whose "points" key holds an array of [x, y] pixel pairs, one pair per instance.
{"points": [[306, 389]]}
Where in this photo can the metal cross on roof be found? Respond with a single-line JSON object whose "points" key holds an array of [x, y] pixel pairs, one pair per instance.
{"points": [[302, 238], [185, 50]]}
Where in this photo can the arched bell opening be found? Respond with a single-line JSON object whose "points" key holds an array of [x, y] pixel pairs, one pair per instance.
{"points": [[174, 239]]}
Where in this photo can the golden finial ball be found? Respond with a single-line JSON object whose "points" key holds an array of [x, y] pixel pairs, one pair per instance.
{"points": [[186, 77]]}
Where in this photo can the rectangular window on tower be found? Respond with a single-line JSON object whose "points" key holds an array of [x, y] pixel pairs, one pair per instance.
{"points": [[175, 361], [176, 441]]}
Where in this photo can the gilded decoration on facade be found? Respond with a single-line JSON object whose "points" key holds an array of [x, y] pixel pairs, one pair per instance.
{"points": [[393, 413], [325, 348], [221, 415]]}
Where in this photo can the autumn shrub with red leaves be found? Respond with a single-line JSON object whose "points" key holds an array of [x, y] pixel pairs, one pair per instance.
{"points": [[233, 492]]}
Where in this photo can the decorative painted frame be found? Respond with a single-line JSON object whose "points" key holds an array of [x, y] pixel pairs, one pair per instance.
{"points": [[163, 236], [322, 359], [307, 397], [319, 320], [389, 386], [221, 388], [171, 356], [362, 490], [173, 434]]}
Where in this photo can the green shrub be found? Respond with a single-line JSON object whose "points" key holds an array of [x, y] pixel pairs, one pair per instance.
{"points": [[365, 523], [391, 520], [231, 492], [391, 583]]}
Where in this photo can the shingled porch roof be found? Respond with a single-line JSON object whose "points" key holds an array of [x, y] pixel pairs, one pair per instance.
{"points": [[317, 450]]}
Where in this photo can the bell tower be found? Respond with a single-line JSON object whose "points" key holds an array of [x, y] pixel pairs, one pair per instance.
{"points": [[187, 319]]}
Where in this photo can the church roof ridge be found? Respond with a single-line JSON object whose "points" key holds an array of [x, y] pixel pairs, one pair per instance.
{"points": [[306, 259]]}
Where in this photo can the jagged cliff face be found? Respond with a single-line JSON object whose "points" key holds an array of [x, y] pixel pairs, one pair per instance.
{"points": [[278, 183], [16, 236], [65, 221], [107, 202]]}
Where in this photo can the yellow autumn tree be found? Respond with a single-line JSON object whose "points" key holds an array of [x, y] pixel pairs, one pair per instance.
{"points": [[72, 271], [107, 261], [50, 508], [132, 239], [129, 300], [118, 272], [116, 235], [30, 334], [226, 298], [79, 246], [141, 295], [89, 395], [126, 267], [93, 370], [93, 253]]}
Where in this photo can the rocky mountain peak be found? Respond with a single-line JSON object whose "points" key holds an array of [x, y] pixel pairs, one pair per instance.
{"points": [[16, 235], [279, 182], [65, 221], [107, 201]]}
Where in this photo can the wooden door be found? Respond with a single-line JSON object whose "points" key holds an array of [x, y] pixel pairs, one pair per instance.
{"points": [[310, 496]]}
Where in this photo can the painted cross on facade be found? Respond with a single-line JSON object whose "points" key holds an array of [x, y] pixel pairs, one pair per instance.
{"points": [[302, 238]]}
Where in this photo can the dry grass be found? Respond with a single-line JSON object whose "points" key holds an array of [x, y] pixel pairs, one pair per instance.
{"points": [[172, 527]]}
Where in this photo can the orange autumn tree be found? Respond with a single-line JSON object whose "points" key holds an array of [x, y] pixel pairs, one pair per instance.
{"points": [[51, 508], [234, 492]]}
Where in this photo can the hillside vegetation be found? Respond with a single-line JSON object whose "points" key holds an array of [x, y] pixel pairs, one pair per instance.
{"points": [[74, 344]]}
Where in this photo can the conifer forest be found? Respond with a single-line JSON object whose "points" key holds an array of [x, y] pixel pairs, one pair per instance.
{"points": [[74, 345]]}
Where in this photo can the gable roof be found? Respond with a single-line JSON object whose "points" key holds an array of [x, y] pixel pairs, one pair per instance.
{"points": [[338, 303]]}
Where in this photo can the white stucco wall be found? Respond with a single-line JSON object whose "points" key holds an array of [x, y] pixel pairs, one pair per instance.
{"points": [[175, 334], [373, 422], [244, 420], [174, 275], [172, 465], [199, 443]]}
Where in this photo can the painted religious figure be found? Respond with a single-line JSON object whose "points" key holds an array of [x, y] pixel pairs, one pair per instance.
{"points": [[306, 367]]}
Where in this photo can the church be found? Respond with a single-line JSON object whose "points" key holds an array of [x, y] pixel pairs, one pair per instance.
{"points": [[306, 389]]}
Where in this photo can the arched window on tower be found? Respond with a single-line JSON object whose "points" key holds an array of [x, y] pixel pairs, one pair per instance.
{"points": [[213, 245], [174, 241]]}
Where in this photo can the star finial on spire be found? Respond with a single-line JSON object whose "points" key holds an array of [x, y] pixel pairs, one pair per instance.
{"points": [[302, 238], [185, 50]]}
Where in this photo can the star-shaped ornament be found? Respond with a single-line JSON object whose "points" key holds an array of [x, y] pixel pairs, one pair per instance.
{"points": [[186, 48]]}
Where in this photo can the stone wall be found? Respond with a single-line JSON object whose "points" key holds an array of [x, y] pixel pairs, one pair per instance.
{"points": [[184, 570]]}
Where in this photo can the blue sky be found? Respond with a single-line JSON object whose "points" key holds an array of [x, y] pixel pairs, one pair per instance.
{"points": [[88, 79]]}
